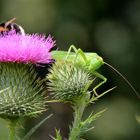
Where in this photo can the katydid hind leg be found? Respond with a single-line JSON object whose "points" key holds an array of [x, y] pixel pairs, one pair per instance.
{"points": [[72, 47], [77, 52], [100, 84]]}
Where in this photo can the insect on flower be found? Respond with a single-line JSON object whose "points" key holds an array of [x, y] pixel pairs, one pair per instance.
{"points": [[90, 61], [11, 25], [19, 47]]}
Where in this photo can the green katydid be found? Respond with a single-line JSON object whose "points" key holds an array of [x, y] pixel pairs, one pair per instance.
{"points": [[90, 61]]}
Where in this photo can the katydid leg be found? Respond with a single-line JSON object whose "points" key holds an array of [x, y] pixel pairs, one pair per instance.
{"points": [[100, 84], [72, 47], [77, 52]]}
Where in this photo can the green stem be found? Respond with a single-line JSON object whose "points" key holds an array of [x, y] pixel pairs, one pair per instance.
{"points": [[78, 113], [12, 127]]}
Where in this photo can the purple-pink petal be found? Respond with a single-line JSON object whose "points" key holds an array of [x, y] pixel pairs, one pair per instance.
{"points": [[25, 48]]}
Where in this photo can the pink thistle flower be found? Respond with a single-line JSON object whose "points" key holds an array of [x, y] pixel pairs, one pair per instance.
{"points": [[25, 48]]}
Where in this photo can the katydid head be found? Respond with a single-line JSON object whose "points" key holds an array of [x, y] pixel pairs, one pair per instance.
{"points": [[94, 61]]}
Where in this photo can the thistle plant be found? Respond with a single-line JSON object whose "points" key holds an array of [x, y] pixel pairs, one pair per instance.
{"points": [[71, 83], [22, 93]]}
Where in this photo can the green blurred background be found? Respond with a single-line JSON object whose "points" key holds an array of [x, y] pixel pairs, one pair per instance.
{"points": [[109, 27]]}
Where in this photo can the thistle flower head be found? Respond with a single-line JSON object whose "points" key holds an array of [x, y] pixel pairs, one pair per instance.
{"points": [[25, 48], [68, 82], [21, 93]]}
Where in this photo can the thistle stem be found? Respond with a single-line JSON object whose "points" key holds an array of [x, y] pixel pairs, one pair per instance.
{"points": [[78, 113], [12, 128]]}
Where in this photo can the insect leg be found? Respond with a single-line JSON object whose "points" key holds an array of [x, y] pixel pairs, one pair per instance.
{"points": [[77, 52], [72, 47], [101, 83]]}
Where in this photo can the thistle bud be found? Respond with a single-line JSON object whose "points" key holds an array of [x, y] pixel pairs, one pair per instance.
{"points": [[68, 82], [22, 94]]}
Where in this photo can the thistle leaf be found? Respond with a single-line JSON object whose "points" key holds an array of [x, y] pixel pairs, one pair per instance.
{"points": [[30, 133], [86, 124], [58, 135]]}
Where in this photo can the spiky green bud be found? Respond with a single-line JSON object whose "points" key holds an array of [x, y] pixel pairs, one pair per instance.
{"points": [[23, 93], [68, 82]]}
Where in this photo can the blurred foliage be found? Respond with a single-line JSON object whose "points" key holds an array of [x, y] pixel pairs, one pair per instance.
{"points": [[109, 27]]}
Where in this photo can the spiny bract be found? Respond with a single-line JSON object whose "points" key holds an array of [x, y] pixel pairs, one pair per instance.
{"points": [[22, 93], [67, 81]]}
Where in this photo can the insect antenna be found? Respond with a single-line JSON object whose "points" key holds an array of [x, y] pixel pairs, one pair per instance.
{"points": [[126, 80], [10, 21]]}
